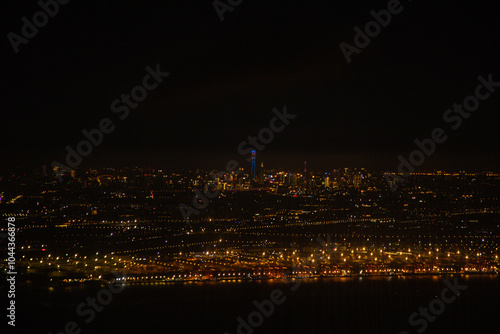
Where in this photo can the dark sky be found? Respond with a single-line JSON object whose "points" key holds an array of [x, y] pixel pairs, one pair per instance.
{"points": [[226, 77]]}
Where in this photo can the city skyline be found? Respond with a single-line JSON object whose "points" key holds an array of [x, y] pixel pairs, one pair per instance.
{"points": [[247, 167]]}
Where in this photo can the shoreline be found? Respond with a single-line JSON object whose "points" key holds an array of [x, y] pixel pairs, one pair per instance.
{"points": [[241, 280]]}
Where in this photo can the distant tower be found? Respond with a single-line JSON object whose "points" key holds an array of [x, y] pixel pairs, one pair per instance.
{"points": [[253, 165], [261, 172], [305, 171]]}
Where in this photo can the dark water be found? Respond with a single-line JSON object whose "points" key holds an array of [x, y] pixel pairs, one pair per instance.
{"points": [[334, 305]]}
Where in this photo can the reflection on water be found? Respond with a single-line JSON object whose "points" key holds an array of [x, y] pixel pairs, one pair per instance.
{"points": [[322, 305]]}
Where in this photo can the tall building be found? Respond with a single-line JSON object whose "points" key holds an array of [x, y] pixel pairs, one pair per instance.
{"points": [[253, 172], [327, 181], [357, 180], [305, 172], [261, 172]]}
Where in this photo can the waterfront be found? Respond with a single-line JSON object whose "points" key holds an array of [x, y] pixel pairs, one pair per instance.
{"points": [[322, 305]]}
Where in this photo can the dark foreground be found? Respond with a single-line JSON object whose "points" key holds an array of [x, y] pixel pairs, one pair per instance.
{"points": [[333, 305]]}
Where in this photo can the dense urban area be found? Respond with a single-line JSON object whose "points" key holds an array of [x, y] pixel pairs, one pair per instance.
{"points": [[159, 226]]}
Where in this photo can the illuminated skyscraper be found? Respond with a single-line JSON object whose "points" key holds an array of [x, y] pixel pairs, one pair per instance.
{"points": [[261, 173], [327, 180], [305, 171], [253, 172]]}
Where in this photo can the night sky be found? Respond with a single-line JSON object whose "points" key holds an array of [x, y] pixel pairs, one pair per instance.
{"points": [[226, 77]]}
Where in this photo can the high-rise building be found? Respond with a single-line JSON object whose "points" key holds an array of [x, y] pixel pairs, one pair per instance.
{"points": [[261, 172], [305, 172], [253, 172], [357, 180], [327, 181]]}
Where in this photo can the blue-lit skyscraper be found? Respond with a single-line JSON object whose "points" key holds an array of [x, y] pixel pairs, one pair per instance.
{"points": [[252, 172]]}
